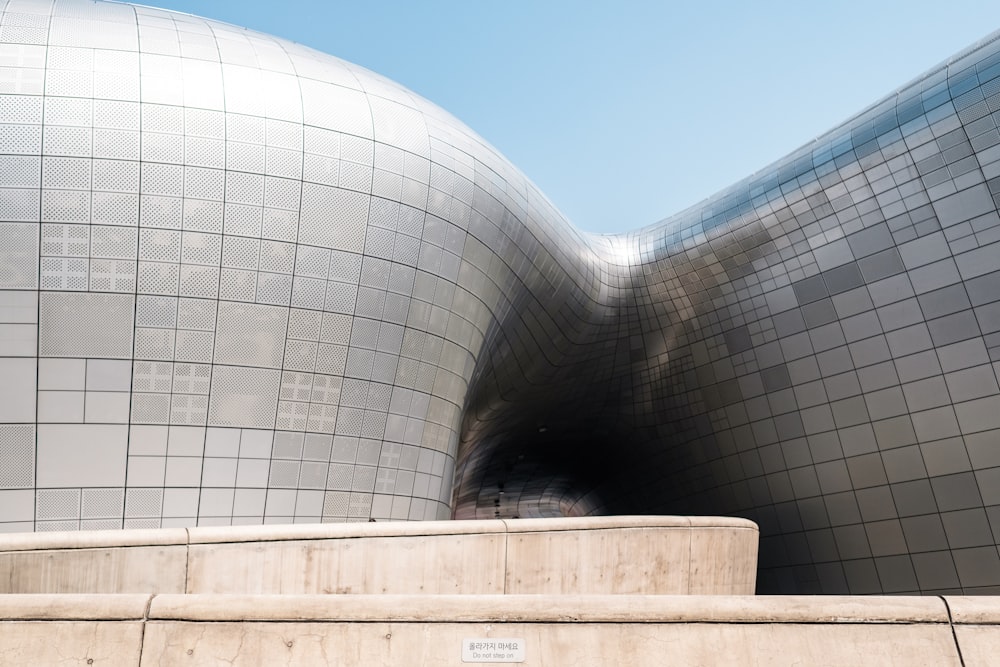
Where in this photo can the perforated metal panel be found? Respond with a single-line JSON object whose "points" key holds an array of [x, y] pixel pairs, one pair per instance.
{"points": [[107, 319], [17, 450], [273, 238]]}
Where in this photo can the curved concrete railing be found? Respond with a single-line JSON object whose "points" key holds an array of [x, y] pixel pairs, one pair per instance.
{"points": [[601, 555], [533, 630]]}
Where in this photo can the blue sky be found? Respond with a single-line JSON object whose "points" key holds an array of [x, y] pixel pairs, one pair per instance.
{"points": [[626, 112]]}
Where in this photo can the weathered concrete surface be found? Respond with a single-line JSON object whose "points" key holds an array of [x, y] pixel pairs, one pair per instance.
{"points": [[87, 643], [94, 561], [980, 644], [430, 629], [118, 569], [728, 556], [71, 629], [493, 565], [636, 645], [620, 555], [447, 564], [629, 557], [977, 629]]}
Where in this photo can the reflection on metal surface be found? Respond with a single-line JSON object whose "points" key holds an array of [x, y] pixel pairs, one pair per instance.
{"points": [[242, 282]]}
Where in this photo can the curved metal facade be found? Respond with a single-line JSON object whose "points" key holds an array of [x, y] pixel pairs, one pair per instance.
{"points": [[245, 282]]}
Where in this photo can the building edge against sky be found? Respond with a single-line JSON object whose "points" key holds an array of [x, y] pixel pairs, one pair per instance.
{"points": [[333, 301]]}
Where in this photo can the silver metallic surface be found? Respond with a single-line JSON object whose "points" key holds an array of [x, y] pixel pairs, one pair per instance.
{"points": [[242, 282]]}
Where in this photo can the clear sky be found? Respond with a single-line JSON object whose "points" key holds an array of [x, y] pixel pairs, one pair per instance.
{"points": [[626, 112]]}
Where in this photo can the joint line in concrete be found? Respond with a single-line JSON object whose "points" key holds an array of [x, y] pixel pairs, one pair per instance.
{"points": [[142, 625], [954, 635], [187, 560], [506, 548]]}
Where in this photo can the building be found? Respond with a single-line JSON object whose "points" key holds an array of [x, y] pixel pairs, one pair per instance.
{"points": [[245, 282]]}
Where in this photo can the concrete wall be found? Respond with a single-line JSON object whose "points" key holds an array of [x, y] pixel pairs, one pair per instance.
{"points": [[601, 555], [170, 629], [250, 596]]}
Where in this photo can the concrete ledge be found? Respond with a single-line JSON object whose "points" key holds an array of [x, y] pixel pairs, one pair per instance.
{"points": [[488, 608], [435, 630], [601, 555], [977, 628], [605, 522], [339, 531], [91, 539], [74, 607], [88, 539], [974, 610], [551, 609]]}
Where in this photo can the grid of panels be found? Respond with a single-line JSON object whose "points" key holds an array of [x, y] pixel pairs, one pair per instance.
{"points": [[814, 348], [333, 302], [177, 298]]}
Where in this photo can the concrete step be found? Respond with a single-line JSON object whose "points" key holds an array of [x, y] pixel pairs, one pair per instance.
{"points": [[598, 591], [600, 555], [579, 630]]}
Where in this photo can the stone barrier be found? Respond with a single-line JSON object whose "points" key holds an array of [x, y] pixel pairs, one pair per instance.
{"points": [[600, 555], [638, 630]]}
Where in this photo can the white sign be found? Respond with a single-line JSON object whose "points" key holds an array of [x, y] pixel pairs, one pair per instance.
{"points": [[492, 650]]}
